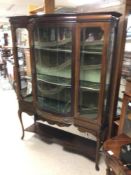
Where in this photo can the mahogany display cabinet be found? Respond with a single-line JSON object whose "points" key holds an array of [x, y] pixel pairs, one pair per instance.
{"points": [[71, 72]]}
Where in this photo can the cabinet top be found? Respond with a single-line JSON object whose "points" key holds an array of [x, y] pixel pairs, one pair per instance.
{"points": [[71, 16]]}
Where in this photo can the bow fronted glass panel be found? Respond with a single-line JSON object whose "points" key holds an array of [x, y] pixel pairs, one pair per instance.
{"points": [[53, 55]]}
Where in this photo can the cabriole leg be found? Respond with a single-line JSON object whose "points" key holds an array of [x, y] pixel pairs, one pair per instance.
{"points": [[22, 126]]}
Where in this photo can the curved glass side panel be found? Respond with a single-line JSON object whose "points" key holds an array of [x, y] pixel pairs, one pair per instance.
{"points": [[90, 70], [53, 54], [24, 66]]}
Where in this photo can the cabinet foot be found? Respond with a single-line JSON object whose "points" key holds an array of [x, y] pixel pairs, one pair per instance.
{"points": [[108, 171], [97, 154], [97, 167]]}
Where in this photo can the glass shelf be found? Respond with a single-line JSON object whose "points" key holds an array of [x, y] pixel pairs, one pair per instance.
{"points": [[53, 44], [54, 49], [54, 80], [28, 98]]}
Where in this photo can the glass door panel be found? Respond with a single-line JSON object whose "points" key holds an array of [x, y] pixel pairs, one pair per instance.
{"points": [[24, 66], [90, 70], [53, 54]]}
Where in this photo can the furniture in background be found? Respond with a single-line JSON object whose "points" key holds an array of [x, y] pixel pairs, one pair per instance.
{"points": [[7, 65], [126, 66], [2, 69], [112, 146], [111, 150], [10, 71], [125, 117]]}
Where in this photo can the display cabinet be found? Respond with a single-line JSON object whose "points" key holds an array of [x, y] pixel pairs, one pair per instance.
{"points": [[72, 63]]}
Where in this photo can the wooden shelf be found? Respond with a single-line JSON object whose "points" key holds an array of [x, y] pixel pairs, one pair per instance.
{"points": [[69, 141]]}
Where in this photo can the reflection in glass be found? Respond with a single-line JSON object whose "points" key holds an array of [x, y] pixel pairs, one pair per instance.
{"points": [[127, 124], [22, 37], [23, 56], [126, 65], [53, 53], [90, 67]]}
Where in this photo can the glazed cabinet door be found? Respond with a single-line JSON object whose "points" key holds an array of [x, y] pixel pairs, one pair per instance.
{"points": [[96, 50], [90, 70], [53, 67], [23, 64]]}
